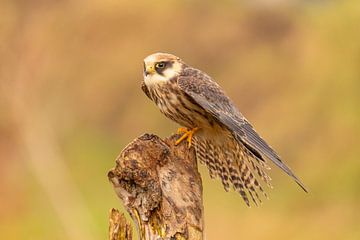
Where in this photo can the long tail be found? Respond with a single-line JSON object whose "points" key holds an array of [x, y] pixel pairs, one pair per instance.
{"points": [[234, 165]]}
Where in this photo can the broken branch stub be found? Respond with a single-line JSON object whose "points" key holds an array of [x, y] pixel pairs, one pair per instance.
{"points": [[160, 187]]}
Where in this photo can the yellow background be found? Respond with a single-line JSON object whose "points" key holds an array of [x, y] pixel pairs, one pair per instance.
{"points": [[70, 100]]}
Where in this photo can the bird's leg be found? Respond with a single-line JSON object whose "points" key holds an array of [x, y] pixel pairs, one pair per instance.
{"points": [[187, 134], [182, 130]]}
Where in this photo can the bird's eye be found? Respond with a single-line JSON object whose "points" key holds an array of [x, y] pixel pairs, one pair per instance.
{"points": [[160, 65]]}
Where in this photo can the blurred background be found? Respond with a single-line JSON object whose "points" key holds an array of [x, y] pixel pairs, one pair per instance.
{"points": [[70, 100]]}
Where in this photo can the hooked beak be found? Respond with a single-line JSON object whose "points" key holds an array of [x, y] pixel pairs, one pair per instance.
{"points": [[149, 70]]}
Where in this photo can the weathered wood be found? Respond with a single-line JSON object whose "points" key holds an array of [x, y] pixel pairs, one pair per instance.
{"points": [[160, 187], [119, 227]]}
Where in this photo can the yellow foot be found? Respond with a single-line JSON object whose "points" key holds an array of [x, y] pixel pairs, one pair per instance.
{"points": [[187, 134]]}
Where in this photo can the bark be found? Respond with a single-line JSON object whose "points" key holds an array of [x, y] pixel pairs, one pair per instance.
{"points": [[119, 227], [160, 187]]}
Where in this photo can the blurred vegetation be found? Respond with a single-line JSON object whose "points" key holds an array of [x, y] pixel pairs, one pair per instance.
{"points": [[70, 100]]}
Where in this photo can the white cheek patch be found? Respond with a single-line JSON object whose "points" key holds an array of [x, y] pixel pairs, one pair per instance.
{"points": [[173, 71], [167, 74], [155, 78]]}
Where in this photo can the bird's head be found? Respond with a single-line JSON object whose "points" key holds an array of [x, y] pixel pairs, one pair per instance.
{"points": [[161, 67]]}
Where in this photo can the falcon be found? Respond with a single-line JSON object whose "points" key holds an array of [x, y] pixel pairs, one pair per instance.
{"points": [[222, 137]]}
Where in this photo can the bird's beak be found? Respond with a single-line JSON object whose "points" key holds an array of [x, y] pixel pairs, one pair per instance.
{"points": [[149, 70]]}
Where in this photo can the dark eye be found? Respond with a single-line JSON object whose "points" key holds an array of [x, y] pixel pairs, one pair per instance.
{"points": [[160, 65]]}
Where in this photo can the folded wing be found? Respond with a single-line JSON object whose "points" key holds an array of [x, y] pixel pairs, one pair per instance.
{"points": [[208, 94]]}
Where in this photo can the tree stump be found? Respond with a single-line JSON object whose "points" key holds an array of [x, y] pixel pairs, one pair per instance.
{"points": [[160, 187], [119, 227]]}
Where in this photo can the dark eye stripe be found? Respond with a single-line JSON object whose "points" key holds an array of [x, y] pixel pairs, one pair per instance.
{"points": [[161, 65], [161, 70]]}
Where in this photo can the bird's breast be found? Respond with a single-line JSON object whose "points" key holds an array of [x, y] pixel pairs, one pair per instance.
{"points": [[175, 104]]}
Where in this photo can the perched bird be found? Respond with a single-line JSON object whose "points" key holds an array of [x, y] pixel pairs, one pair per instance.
{"points": [[223, 139]]}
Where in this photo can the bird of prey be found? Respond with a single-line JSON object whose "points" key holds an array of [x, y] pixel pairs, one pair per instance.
{"points": [[223, 139]]}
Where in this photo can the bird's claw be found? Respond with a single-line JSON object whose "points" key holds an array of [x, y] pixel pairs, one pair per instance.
{"points": [[187, 134]]}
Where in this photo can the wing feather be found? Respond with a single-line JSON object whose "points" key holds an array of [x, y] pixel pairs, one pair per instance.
{"points": [[208, 94]]}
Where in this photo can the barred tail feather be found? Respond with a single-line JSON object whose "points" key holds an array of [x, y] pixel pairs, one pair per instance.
{"points": [[258, 167], [221, 164], [236, 181], [203, 154], [211, 161], [247, 176], [234, 165], [200, 150]]}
